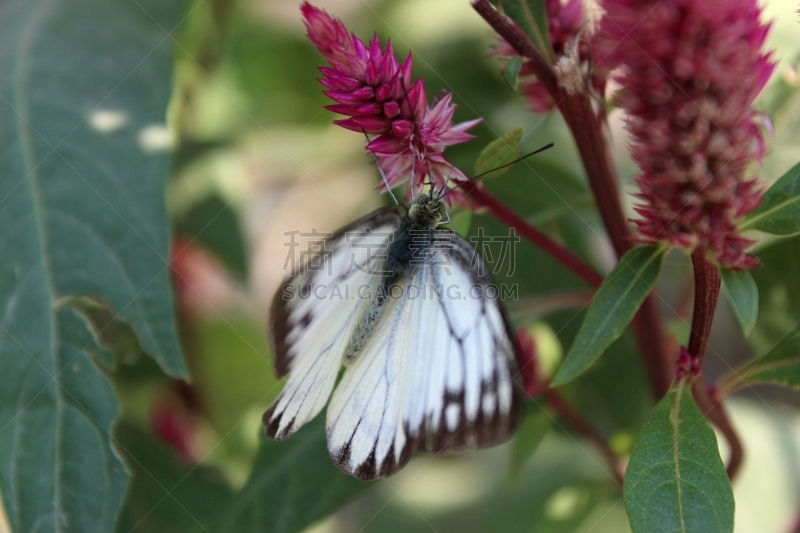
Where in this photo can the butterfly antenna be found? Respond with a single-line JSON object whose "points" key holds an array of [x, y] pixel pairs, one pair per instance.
{"points": [[383, 175], [514, 162]]}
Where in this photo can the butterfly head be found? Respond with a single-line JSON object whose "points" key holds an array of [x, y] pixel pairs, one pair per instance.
{"points": [[426, 211]]}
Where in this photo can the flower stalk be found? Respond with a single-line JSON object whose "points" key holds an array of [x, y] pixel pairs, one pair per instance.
{"points": [[586, 129], [707, 286]]}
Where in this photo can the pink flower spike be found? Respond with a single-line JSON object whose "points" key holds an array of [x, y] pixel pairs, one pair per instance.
{"points": [[690, 72], [377, 96]]}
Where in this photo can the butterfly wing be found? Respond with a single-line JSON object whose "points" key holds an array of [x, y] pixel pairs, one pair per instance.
{"points": [[315, 311], [439, 373]]}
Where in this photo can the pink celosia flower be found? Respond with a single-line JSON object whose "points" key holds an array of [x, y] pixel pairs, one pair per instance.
{"points": [[691, 70], [376, 93], [564, 23]]}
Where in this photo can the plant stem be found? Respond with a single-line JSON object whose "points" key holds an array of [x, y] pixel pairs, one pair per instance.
{"points": [[575, 419], [587, 131], [706, 294], [502, 213]]}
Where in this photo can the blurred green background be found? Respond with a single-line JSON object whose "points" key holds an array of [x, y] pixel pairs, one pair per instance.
{"points": [[256, 156]]}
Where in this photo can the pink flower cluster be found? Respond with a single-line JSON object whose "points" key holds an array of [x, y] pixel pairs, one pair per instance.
{"points": [[691, 70], [564, 23], [375, 91]]}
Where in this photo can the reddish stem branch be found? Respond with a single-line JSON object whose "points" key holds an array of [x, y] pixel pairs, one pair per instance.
{"points": [[796, 525], [575, 419], [587, 131], [502, 213], [706, 294]]}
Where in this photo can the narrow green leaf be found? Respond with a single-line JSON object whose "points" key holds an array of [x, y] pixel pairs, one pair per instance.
{"points": [[85, 87], [531, 16], [780, 365], [497, 153], [511, 71], [779, 212], [675, 480], [743, 295], [612, 309], [214, 223], [535, 425]]}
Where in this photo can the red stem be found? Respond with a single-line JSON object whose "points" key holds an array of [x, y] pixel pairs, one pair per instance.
{"points": [[574, 419], [587, 131], [502, 213], [796, 525], [706, 294]]}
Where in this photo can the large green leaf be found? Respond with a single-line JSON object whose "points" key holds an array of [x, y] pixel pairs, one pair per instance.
{"points": [[612, 309], [293, 484], [779, 212], [84, 87], [675, 480], [743, 295]]}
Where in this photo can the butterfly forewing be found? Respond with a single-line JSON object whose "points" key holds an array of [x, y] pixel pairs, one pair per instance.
{"points": [[439, 373], [314, 314]]}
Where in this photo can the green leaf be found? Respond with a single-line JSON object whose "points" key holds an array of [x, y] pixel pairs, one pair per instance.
{"points": [[85, 87], [612, 309], [501, 151], [511, 71], [293, 484], [780, 365], [165, 494], [779, 212], [531, 16], [675, 480], [743, 295], [534, 427], [213, 223]]}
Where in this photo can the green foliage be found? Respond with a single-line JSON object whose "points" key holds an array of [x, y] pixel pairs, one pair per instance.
{"points": [[214, 224], [780, 365], [536, 424], [82, 214], [779, 212], [555, 492], [675, 480], [612, 309], [743, 295], [498, 153], [293, 484], [87, 329]]}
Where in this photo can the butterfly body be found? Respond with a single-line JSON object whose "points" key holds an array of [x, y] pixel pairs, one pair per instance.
{"points": [[425, 370], [409, 244]]}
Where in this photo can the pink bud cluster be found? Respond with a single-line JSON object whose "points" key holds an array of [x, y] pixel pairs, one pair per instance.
{"points": [[691, 70], [688, 364], [377, 95]]}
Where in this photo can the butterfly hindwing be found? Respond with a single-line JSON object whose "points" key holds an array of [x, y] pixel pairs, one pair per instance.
{"points": [[439, 373], [314, 312]]}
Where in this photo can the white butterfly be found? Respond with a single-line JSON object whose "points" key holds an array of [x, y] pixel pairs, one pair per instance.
{"points": [[430, 361]]}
